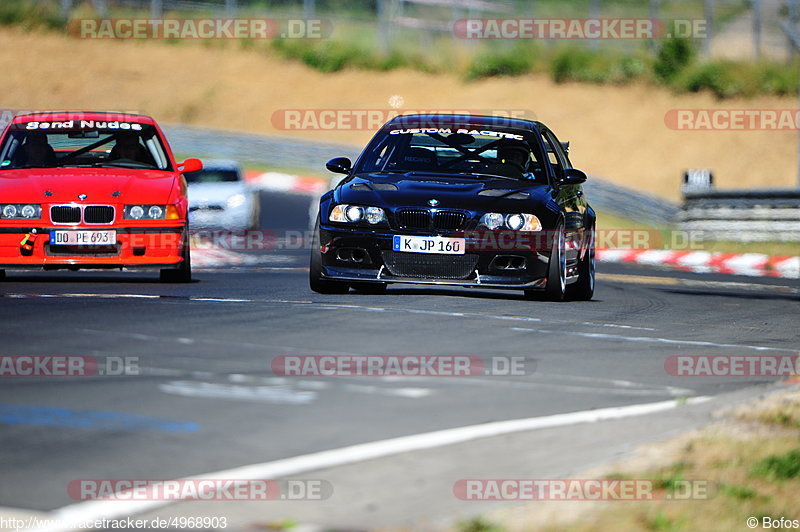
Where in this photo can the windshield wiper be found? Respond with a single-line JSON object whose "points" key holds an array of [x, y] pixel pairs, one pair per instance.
{"points": [[123, 164], [495, 176]]}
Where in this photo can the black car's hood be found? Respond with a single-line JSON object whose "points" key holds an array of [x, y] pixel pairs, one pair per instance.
{"points": [[452, 191]]}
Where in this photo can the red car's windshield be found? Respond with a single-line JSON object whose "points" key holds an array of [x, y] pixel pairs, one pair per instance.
{"points": [[68, 145]]}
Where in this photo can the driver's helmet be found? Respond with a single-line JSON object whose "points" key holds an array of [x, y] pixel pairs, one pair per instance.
{"points": [[514, 152]]}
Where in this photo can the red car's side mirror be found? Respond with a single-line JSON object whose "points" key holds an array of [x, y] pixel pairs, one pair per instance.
{"points": [[190, 165]]}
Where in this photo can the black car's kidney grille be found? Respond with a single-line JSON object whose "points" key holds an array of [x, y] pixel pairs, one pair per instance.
{"points": [[98, 214], [420, 219], [414, 219], [449, 220], [65, 215], [429, 266]]}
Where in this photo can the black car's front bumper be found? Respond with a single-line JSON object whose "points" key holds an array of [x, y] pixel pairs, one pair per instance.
{"points": [[356, 255]]}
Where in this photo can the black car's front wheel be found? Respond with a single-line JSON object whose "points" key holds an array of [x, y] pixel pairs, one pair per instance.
{"points": [[556, 287], [315, 280], [583, 288]]}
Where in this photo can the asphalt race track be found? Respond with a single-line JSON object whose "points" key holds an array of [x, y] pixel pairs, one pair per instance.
{"points": [[207, 400]]}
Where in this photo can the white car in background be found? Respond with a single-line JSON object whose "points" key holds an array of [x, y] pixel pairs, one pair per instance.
{"points": [[219, 198]]}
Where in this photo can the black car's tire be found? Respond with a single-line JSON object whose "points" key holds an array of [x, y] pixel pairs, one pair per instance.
{"points": [[556, 287], [2, 275], [583, 288], [369, 288], [315, 280], [183, 273]]}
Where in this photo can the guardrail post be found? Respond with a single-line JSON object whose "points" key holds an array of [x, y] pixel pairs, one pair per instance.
{"points": [[708, 9], [594, 12], [756, 28], [156, 9], [66, 8], [231, 8], [309, 9], [654, 11], [383, 26]]}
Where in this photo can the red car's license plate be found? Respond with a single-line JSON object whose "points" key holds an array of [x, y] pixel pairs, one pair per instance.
{"points": [[83, 238]]}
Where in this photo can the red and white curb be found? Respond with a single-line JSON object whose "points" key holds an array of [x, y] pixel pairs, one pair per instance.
{"points": [[280, 182], [750, 264], [207, 257]]}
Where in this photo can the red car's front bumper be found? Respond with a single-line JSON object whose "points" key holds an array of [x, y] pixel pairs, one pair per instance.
{"points": [[135, 247]]}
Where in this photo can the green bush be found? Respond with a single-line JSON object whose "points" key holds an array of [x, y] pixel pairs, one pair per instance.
{"points": [[503, 62], [674, 56], [716, 76], [332, 55], [778, 79], [581, 64], [30, 15]]}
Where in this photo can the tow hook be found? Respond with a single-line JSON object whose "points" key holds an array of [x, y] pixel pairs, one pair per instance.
{"points": [[26, 244]]}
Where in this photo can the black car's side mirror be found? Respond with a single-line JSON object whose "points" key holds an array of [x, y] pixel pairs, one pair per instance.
{"points": [[573, 176], [339, 165]]}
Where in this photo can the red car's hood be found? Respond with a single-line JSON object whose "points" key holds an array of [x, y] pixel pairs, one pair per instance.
{"points": [[101, 185]]}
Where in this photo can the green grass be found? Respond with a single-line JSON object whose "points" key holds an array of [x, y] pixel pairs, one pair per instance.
{"points": [[478, 524], [781, 467], [741, 493]]}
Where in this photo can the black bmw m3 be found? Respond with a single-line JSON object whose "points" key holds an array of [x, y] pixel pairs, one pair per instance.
{"points": [[477, 201]]}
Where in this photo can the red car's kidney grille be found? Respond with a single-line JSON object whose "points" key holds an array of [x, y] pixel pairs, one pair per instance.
{"points": [[429, 266], [65, 215], [98, 214], [92, 214]]}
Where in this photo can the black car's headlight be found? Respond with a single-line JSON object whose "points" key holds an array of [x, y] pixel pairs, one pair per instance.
{"points": [[515, 221], [20, 210], [357, 213], [145, 212]]}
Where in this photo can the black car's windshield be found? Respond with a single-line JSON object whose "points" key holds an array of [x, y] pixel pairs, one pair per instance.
{"points": [[480, 153], [213, 175], [82, 144]]}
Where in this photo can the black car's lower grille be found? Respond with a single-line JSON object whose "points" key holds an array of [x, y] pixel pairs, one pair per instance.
{"points": [[98, 214], [414, 219], [449, 220], [65, 215], [429, 266]]}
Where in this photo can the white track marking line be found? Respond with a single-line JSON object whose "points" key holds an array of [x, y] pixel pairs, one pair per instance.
{"points": [[621, 387], [649, 339], [476, 315], [260, 394], [92, 510]]}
